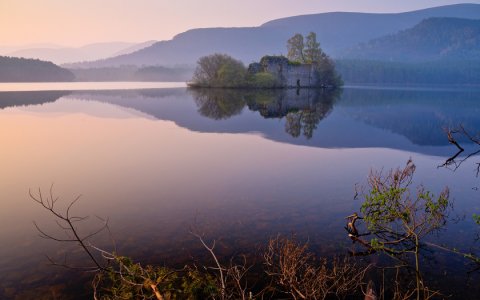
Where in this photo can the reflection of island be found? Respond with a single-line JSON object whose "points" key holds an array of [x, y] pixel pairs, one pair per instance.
{"points": [[219, 104], [409, 120], [302, 109]]}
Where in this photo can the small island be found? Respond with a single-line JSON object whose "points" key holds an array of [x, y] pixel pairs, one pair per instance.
{"points": [[306, 66]]}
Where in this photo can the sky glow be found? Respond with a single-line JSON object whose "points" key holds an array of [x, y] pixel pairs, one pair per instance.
{"points": [[80, 22]]}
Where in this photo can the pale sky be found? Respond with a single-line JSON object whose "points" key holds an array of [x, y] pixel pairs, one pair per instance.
{"points": [[79, 22]]}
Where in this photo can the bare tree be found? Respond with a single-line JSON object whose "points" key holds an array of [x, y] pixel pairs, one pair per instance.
{"points": [[453, 161], [296, 272], [118, 277], [67, 223]]}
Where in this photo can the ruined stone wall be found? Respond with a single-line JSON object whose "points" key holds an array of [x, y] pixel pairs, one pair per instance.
{"points": [[291, 75], [299, 76], [284, 101]]}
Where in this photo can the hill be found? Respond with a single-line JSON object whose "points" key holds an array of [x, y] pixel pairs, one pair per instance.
{"points": [[360, 72], [61, 55], [336, 31], [14, 69], [430, 40]]}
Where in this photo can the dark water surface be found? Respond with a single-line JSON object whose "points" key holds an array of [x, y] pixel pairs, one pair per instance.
{"points": [[242, 166]]}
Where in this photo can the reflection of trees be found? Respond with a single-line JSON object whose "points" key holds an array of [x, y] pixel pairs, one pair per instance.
{"points": [[306, 119], [218, 104], [8, 99], [303, 109]]}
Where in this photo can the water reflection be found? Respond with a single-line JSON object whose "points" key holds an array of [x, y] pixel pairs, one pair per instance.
{"points": [[152, 160], [412, 120], [12, 99], [418, 115], [303, 109], [219, 104]]}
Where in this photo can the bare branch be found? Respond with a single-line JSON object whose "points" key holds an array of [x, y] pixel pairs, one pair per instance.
{"points": [[217, 263], [49, 204]]}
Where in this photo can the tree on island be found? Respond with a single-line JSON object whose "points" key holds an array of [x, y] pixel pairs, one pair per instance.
{"points": [[219, 70], [313, 52], [305, 52], [308, 51], [305, 60], [295, 47]]}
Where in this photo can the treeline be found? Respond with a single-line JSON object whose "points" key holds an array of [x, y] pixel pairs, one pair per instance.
{"points": [[14, 69], [133, 73], [427, 73], [430, 40]]}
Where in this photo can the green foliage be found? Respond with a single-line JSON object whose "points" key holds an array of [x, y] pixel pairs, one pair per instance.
{"points": [[223, 71], [476, 219], [263, 80], [128, 280], [231, 75], [219, 70], [307, 52], [327, 74], [294, 63], [397, 217], [218, 104], [295, 48], [313, 53]]}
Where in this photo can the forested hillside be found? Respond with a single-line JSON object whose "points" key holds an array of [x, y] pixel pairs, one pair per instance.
{"points": [[430, 40], [14, 69]]}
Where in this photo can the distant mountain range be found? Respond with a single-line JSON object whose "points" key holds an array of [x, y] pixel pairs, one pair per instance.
{"points": [[383, 49], [432, 39], [61, 55], [336, 32]]}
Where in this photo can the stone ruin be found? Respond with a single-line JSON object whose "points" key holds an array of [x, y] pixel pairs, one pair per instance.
{"points": [[290, 74]]}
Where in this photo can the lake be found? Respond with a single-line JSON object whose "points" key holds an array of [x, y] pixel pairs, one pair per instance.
{"points": [[240, 166]]}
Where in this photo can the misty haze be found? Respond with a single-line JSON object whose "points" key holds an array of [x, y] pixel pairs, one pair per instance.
{"points": [[220, 150]]}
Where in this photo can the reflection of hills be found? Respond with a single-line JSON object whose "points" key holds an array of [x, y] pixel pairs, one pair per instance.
{"points": [[400, 119], [420, 116], [8, 99]]}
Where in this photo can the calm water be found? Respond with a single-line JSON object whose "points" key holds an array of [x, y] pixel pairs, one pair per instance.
{"points": [[241, 166]]}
